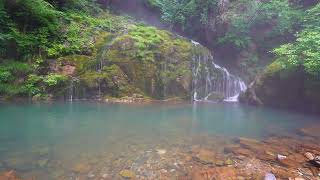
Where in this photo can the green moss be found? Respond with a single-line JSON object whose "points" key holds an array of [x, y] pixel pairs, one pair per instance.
{"points": [[273, 68], [154, 60], [81, 62]]}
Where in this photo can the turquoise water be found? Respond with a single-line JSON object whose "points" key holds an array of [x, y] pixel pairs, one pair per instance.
{"points": [[46, 140]]}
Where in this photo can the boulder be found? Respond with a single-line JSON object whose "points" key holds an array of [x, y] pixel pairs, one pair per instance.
{"points": [[281, 87]]}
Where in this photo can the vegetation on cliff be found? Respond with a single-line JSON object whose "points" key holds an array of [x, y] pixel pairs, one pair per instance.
{"points": [[293, 80], [49, 46]]}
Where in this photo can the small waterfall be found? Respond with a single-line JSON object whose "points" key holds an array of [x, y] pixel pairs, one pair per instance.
{"points": [[72, 89], [212, 82]]}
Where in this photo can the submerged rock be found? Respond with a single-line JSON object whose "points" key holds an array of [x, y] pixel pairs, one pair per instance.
{"points": [[281, 157], [206, 156], [270, 176], [127, 174], [309, 156], [312, 131], [223, 173], [10, 175], [42, 163], [161, 151], [81, 168]]}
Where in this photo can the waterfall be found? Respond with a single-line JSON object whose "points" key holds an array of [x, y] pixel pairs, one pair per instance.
{"points": [[71, 90], [211, 81]]}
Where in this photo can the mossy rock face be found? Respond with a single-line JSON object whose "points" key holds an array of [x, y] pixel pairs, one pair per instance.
{"points": [[279, 86], [155, 61], [142, 60]]}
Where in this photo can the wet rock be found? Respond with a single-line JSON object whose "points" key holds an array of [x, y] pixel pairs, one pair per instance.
{"points": [[10, 175], [299, 178], [206, 156], [41, 151], [81, 168], [42, 163], [305, 172], [228, 162], [104, 176], [270, 176], [316, 161], [161, 151], [294, 160], [127, 174], [312, 131], [219, 163], [68, 70], [266, 156], [225, 173], [238, 151], [284, 173], [20, 164], [281, 157], [309, 156], [91, 175]]}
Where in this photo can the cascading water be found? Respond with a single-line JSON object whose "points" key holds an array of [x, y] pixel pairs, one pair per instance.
{"points": [[212, 82], [72, 89]]}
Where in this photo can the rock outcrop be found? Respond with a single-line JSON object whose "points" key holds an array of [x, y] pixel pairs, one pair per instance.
{"points": [[283, 87]]}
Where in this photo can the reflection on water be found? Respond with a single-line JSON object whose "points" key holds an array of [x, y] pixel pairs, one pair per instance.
{"points": [[49, 140]]}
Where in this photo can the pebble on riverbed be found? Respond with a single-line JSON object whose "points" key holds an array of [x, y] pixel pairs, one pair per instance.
{"points": [[127, 174]]}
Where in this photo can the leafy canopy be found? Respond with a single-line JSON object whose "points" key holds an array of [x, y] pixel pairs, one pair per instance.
{"points": [[305, 51]]}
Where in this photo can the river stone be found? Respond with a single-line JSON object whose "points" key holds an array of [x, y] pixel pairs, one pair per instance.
{"points": [[9, 175], [317, 160], [270, 176], [312, 131], [228, 162], [309, 156], [219, 163], [161, 151], [206, 156], [42, 163], [81, 168], [127, 174], [221, 173], [281, 157]]}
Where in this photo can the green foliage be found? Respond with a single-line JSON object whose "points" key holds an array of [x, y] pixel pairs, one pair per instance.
{"points": [[182, 12], [305, 51], [32, 85], [38, 11], [12, 75], [54, 79], [145, 41], [52, 28], [244, 15]]}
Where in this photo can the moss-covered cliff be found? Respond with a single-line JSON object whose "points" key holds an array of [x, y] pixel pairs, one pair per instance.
{"points": [[141, 60]]}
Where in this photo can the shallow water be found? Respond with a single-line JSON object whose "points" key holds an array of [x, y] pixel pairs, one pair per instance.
{"points": [[46, 140]]}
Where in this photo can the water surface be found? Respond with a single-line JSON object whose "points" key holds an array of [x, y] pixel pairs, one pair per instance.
{"points": [[46, 140]]}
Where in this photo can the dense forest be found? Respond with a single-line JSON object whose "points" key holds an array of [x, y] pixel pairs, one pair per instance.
{"points": [[43, 41]]}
